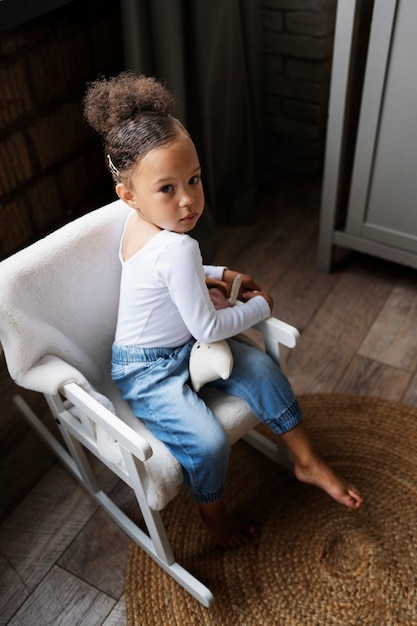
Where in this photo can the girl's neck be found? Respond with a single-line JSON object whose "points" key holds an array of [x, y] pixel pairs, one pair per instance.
{"points": [[137, 233]]}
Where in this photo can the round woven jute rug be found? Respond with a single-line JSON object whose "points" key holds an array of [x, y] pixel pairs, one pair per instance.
{"points": [[312, 562]]}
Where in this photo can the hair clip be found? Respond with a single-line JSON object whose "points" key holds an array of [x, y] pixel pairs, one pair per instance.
{"points": [[113, 169]]}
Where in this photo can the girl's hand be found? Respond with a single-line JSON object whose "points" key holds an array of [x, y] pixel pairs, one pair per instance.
{"points": [[248, 289], [247, 281], [247, 295]]}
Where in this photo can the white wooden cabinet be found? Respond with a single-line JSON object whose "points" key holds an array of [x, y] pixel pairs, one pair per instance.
{"points": [[369, 199]]}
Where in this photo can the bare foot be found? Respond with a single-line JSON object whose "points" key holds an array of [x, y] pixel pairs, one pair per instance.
{"points": [[318, 473], [227, 531], [310, 468]]}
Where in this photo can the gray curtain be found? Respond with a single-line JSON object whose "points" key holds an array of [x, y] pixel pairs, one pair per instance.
{"points": [[209, 53]]}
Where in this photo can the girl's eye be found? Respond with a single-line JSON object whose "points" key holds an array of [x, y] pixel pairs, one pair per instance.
{"points": [[194, 180], [167, 188]]}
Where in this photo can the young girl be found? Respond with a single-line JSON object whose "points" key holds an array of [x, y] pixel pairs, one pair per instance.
{"points": [[165, 306]]}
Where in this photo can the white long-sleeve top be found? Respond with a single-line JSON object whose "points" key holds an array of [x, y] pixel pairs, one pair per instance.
{"points": [[164, 301]]}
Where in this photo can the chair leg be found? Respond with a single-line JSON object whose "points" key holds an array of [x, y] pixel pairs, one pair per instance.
{"points": [[156, 543]]}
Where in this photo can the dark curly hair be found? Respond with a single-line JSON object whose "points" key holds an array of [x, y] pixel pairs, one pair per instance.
{"points": [[134, 114]]}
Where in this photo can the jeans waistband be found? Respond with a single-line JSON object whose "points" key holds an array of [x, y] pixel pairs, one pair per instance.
{"points": [[133, 354]]}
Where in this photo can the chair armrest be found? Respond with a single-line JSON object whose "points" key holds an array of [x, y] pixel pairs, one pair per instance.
{"points": [[112, 424], [278, 331]]}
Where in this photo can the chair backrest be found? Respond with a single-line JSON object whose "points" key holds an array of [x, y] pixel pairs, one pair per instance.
{"points": [[59, 297]]}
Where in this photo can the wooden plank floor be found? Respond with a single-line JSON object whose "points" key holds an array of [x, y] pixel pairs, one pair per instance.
{"points": [[61, 559]]}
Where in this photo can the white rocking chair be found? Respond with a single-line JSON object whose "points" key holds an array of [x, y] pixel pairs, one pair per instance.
{"points": [[58, 306]]}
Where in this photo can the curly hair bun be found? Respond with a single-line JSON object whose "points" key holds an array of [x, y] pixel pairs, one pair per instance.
{"points": [[110, 103]]}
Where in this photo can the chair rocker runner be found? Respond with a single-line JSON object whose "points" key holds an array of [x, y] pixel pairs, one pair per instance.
{"points": [[58, 309]]}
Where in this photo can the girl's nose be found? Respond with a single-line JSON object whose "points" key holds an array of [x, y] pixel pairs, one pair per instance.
{"points": [[186, 200]]}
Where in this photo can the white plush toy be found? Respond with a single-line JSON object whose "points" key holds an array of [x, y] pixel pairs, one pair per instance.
{"points": [[210, 361]]}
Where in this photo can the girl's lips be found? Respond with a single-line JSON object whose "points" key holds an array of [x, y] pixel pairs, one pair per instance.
{"points": [[190, 217]]}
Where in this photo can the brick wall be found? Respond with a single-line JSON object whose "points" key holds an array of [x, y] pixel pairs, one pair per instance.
{"points": [[51, 163], [298, 43]]}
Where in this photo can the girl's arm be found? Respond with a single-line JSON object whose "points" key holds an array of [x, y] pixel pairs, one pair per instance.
{"points": [[248, 289], [184, 275]]}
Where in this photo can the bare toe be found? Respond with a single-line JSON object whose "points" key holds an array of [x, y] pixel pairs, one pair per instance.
{"points": [[320, 474]]}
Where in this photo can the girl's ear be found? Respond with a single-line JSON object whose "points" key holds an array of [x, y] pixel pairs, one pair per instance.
{"points": [[126, 194]]}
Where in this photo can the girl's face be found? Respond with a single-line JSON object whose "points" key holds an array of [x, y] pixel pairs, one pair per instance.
{"points": [[166, 188]]}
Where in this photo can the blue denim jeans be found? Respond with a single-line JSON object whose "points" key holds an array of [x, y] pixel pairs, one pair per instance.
{"points": [[155, 382]]}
